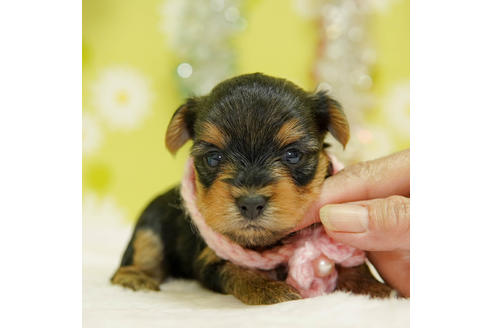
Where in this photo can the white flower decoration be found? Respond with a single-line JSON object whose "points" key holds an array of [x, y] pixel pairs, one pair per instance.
{"points": [[91, 134], [101, 210], [102, 219], [123, 97]]}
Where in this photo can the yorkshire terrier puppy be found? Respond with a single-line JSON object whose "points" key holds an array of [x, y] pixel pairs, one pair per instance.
{"points": [[259, 162]]}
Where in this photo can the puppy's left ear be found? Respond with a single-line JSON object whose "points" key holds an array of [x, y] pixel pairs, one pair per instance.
{"points": [[180, 129], [330, 117]]}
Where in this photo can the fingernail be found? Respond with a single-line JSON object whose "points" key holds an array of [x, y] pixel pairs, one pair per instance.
{"points": [[344, 218]]}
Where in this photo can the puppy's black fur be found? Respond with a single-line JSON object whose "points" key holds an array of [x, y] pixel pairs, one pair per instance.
{"points": [[259, 161]]}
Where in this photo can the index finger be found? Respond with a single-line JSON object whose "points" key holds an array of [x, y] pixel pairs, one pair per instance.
{"points": [[379, 178]]}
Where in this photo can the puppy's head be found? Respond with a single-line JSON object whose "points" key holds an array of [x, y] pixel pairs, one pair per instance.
{"points": [[258, 154]]}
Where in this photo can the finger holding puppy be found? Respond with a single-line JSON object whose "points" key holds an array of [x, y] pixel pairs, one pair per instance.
{"points": [[379, 178], [374, 225], [375, 210], [380, 226]]}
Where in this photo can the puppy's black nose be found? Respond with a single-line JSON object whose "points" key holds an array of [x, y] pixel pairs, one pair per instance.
{"points": [[251, 207]]}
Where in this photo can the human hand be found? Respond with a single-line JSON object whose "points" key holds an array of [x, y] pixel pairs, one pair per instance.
{"points": [[370, 210]]}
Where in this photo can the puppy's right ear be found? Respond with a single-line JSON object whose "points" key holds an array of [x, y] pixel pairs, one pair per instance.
{"points": [[180, 129]]}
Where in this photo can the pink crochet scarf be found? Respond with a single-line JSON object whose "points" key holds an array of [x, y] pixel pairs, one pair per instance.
{"points": [[309, 255]]}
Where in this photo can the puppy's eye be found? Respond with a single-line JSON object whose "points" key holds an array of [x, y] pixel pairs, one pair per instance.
{"points": [[213, 158], [292, 156]]}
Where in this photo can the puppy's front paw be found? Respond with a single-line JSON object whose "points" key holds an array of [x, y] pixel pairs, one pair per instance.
{"points": [[254, 287], [269, 292], [134, 279], [277, 291]]}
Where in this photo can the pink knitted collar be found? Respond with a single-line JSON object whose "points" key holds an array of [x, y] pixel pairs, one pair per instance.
{"points": [[310, 255]]}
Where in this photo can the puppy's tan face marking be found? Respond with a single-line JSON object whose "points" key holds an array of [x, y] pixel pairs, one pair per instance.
{"points": [[216, 203], [213, 135], [286, 205], [289, 133]]}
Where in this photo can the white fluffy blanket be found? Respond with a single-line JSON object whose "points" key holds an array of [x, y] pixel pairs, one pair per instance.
{"points": [[186, 304]]}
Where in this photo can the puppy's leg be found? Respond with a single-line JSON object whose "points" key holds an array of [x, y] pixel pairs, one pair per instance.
{"points": [[142, 264], [359, 280], [248, 285]]}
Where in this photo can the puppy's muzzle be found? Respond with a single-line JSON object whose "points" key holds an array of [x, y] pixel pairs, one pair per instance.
{"points": [[251, 206]]}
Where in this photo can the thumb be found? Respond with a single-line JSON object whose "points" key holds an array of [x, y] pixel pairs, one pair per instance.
{"points": [[374, 225]]}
